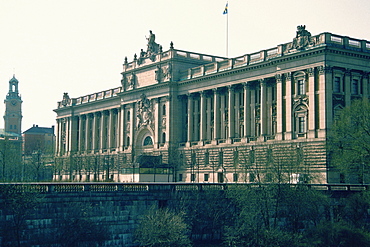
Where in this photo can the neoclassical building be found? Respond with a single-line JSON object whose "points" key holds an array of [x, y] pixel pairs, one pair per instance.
{"points": [[190, 117]]}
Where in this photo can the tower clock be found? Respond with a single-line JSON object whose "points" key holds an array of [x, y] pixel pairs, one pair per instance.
{"points": [[13, 108]]}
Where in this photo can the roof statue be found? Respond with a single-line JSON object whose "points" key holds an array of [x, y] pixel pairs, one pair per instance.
{"points": [[152, 48], [66, 100], [302, 39]]}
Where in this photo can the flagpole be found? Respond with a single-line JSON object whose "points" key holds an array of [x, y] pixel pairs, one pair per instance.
{"points": [[227, 30]]}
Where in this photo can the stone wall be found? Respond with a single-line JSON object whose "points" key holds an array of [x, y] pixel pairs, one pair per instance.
{"points": [[48, 214]]}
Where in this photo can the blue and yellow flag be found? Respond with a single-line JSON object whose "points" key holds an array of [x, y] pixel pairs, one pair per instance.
{"points": [[225, 10]]}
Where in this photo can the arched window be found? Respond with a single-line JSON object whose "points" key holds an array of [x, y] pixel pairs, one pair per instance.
{"points": [[164, 110], [163, 137], [300, 83], [300, 115], [337, 111], [148, 141]]}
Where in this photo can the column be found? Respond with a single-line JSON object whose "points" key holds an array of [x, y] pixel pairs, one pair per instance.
{"points": [[157, 122], [279, 107], [196, 125], [203, 117], [122, 127], [325, 99], [223, 116], [80, 130], [118, 129], [311, 103], [94, 130], [190, 119], [237, 104], [87, 135], [208, 125], [269, 89], [58, 138], [263, 107], [247, 112], [253, 112], [132, 124], [102, 132], [167, 118], [216, 118], [288, 106], [111, 130], [231, 110], [347, 88], [68, 135], [365, 85]]}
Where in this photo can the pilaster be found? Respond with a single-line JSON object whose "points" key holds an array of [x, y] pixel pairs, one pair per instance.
{"points": [[311, 103], [231, 115], [216, 118], [279, 107], [288, 106]]}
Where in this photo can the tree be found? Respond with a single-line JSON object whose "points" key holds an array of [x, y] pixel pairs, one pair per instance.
{"points": [[20, 206], [77, 228], [349, 140], [161, 228], [273, 214]]}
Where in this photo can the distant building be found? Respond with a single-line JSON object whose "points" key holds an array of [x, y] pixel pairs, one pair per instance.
{"points": [[10, 137], [39, 139], [256, 117], [13, 108]]}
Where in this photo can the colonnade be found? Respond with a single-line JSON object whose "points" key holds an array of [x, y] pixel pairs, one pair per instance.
{"points": [[231, 113], [282, 107], [113, 130]]}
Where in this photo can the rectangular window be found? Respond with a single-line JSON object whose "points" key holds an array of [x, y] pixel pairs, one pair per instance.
{"points": [[193, 158], [206, 177], [251, 156], [236, 158], [355, 87], [220, 158], [192, 177], [180, 177], [206, 158], [252, 177], [235, 177], [301, 125], [300, 87], [337, 84], [220, 177]]}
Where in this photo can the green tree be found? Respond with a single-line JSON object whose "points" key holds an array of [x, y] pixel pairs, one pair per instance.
{"points": [[206, 212], [20, 206], [349, 140], [273, 214], [335, 234], [77, 228], [161, 228]]}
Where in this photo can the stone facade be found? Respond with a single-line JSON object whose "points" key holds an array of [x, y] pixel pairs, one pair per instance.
{"points": [[216, 119]]}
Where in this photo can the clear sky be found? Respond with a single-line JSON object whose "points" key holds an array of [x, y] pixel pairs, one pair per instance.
{"points": [[78, 46]]}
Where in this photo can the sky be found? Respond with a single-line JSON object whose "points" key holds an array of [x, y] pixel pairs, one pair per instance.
{"points": [[79, 46]]}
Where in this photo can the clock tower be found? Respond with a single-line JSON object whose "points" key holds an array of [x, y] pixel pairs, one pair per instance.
{"points": [[13, 108]]}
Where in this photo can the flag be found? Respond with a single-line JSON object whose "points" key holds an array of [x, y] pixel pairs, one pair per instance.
{"points": [[225, 10]]}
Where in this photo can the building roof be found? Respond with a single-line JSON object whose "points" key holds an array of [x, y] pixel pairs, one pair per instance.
{"points": [[4, 133], [35, 129]]}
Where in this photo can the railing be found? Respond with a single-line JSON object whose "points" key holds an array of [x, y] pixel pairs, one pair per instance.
{"points": [[92, 97], [218, 64], [281, 50], [147, 187]]}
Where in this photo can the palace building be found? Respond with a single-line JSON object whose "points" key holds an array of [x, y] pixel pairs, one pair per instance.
{"points": [[181, 116]]}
